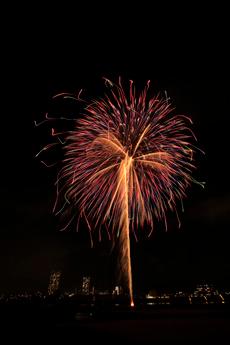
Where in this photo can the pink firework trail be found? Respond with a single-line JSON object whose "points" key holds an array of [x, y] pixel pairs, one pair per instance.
{"points": [[127, 161]]}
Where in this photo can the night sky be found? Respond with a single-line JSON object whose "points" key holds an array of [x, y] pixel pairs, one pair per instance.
{"points": [[53, 53]]}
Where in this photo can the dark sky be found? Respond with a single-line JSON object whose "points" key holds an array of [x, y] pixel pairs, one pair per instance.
{"points": [[49, 53]]}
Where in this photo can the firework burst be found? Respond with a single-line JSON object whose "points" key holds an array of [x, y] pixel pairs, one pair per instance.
{"points": [[127, 161]]}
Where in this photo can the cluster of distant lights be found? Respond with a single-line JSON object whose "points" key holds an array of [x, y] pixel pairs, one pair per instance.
{"points": [[202, 295], [204, 292], [190, 299], [164, 299]]}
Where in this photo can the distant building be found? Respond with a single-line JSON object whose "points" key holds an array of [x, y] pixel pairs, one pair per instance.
{"points": [[117, 290], [54, 282], [86, 285]]}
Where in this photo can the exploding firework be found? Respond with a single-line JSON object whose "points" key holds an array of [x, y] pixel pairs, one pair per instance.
{"points": [[127, 160]]}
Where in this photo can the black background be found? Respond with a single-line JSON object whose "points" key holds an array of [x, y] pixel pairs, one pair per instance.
{"points": [[46, 51]]}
